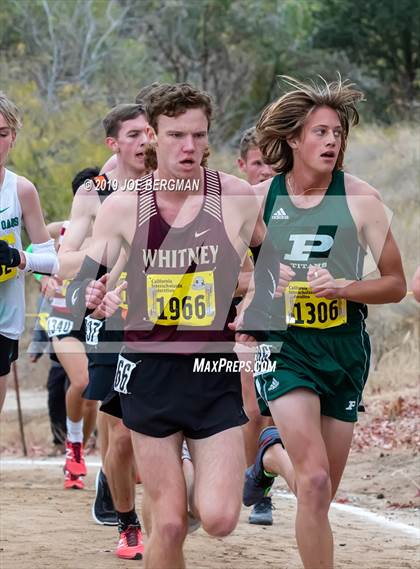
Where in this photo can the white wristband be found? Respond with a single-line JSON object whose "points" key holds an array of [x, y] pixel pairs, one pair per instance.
{"points": [[43, 258]]}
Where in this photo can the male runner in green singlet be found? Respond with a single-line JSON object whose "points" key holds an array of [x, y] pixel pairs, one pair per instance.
{"points": [[322, 220]]}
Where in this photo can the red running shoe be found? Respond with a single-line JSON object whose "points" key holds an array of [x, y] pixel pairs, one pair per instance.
{"points": [[73, 482], [75, 462], [130, 545]]}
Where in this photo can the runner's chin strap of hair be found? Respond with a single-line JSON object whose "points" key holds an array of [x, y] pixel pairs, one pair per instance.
{"points": [[76, 291], [257, 316]]}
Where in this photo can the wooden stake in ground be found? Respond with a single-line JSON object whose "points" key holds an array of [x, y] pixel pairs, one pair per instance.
{"points": [[19, 409]]}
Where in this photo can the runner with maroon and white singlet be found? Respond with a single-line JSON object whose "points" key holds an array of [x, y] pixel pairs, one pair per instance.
{"points": [[196, 249], [186, 249]]}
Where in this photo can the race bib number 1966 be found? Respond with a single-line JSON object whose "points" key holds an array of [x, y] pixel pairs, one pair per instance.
{"points": [[304, 309], [187, 300]]}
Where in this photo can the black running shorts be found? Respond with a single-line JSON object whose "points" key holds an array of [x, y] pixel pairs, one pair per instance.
{"points": [[162, 394], [8, 353], [101, 381]]}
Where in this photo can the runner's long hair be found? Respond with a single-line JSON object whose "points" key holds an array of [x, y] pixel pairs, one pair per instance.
{"points": [[10, 113], [284, 119]]}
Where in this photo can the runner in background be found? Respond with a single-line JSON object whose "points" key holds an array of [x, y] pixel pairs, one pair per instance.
{"points": [[114, 503], [251, 164], [68, 345], [57, 381], [19, 205]]}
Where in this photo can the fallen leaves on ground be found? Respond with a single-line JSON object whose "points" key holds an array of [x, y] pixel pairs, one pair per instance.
{"points": [[389, 424]]}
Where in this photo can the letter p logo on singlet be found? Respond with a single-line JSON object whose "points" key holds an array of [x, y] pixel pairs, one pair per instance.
{"points": [[307, 245]]}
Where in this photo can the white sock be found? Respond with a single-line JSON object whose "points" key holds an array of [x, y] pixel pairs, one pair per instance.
{"points": [[74, 430]]}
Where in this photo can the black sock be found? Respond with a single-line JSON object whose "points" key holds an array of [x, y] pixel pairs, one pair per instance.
{"points": [[126, 519]]}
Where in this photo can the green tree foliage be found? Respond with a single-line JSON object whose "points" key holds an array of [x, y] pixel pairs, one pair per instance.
{"points": [[55, 144], [66, 62], [382, 37], [233, 48], [65, 42]]}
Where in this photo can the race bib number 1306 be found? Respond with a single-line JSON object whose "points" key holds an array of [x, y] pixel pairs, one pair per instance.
{"points": [[305, 309]]}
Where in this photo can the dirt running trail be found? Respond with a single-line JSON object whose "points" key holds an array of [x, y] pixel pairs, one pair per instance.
{"points": [[42, 526]]}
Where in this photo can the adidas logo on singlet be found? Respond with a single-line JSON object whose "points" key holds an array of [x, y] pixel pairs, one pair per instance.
{"points": [[280, 214]]}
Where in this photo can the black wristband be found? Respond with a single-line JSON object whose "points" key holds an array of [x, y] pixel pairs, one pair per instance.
{"points": [[257, 317], [76, 291], [9, 256], [15, 257]]}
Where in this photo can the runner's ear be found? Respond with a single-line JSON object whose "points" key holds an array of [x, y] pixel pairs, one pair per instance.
{"points": [[112, 144], [151, 134]]}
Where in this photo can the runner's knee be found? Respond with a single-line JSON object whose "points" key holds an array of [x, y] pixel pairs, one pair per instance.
{"points": [[314, 489], [171, 532], [258, 421], [79, 382], [219, 524], [120, 442]]}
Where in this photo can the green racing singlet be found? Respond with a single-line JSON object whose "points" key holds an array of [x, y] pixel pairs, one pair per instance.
{"points": [[325, 236]]}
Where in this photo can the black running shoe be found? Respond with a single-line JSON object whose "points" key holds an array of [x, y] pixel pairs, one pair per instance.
{"points": [[103, 511], [261, 514], [257, 481]]}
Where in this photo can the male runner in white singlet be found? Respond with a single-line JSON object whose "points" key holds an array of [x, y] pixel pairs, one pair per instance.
{"points": [[19, 204]]}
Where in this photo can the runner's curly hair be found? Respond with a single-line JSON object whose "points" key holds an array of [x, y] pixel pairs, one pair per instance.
{"points": [[284, 119], [171, 100]]}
